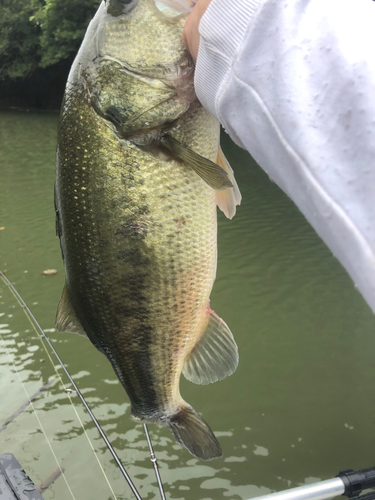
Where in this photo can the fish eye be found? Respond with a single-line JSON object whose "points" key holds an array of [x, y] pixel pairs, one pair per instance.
{"points": [[119, 7]]}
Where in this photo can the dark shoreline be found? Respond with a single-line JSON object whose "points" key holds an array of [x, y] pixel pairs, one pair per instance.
{"points": [[42, 91], [21, 109]]}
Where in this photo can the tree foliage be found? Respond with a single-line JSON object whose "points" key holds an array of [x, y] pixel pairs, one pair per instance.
{"points": [[38, 33]]}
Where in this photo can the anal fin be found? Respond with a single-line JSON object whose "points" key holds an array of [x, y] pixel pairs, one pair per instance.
{"points": [[66, 319], [215, 356]]}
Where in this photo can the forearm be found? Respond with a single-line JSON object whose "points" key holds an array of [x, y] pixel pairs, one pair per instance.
{"points": [[293, 83]]}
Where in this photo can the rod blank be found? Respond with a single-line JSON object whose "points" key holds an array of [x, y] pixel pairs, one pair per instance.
{"points": [[101, 432], [154, 463], [316, 491]]}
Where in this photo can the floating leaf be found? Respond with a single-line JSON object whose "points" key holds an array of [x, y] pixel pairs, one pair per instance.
{"points": [[49, 272], [1, 228]]}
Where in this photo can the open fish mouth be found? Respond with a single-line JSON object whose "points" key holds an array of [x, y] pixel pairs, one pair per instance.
{"points": [[178, 75], [171, 73]]}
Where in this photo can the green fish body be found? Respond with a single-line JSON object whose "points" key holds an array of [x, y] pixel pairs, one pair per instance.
{"points": [[136, 193]]}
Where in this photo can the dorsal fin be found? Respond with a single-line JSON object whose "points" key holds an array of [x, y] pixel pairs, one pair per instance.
{"points": [[66, 319], [215, 356], [227, 200]]}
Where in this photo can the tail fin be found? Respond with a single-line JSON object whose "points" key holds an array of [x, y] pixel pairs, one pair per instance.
{"points": [[192, 432]]}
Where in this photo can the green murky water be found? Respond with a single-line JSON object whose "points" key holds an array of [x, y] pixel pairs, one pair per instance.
{"points": [[300, 407]]}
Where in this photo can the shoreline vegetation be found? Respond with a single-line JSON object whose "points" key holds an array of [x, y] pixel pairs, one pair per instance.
{"points": [[42, 90], [38, 43]]}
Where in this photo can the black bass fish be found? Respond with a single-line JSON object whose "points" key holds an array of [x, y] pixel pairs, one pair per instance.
{"points": [[139, 174]]}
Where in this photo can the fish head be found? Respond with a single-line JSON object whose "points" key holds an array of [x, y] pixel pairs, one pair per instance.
{"points": [[138, 34], [134, 66]]}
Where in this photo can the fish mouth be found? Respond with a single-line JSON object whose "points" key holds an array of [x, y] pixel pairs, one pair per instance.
{"points": [[144, 125], [175, 74], [178, 75]]}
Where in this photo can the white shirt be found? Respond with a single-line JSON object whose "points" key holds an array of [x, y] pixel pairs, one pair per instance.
{"points": [[293, 82]]}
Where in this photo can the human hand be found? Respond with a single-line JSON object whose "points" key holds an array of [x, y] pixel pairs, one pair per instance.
{"points": [[191, 32]]}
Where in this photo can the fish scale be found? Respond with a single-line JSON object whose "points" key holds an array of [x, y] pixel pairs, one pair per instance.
{"points": [[137, 225]]}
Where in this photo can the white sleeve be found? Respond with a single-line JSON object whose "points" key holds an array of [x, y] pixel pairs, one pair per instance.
{"points": [[293, 82]]}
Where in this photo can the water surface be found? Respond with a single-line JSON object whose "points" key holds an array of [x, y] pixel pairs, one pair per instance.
{"points": [[300, 407]]}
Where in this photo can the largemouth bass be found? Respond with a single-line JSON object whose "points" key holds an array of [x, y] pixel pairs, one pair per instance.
{"points": [[136, 190]]}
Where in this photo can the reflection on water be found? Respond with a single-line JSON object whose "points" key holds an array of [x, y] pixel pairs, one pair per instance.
{"points": [[300, 406]]}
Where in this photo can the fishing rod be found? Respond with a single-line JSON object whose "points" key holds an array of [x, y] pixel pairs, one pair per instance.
{"points": [[347, 483], [92, 416], [154, 462]]}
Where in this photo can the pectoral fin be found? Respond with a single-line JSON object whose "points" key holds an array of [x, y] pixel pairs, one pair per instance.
{"points": [[227, 200], [212, 174], [66, 319], [215, 356]]}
